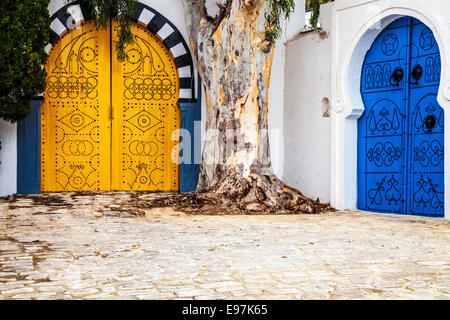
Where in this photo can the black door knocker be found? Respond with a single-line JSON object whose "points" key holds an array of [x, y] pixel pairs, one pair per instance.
{"points": [[430, 122], [416, 74], [397, 76]]}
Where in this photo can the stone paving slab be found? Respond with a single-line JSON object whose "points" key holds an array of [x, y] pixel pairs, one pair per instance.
{"points": [[75, 248]]}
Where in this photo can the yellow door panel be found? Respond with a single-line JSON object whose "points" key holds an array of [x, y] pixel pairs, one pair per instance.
{"points": [[145, 115], [75, 138], [106, 124]]}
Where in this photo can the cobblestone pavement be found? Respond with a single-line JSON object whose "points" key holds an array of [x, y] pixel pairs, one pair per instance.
{"points": [[83, 247]]}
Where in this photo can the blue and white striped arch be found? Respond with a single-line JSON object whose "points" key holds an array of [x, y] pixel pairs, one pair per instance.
{"points": [[73, 13]]}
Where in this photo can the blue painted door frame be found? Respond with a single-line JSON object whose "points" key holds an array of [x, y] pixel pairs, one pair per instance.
{"points": [[28, 151], [401, 132], [191, 115]]}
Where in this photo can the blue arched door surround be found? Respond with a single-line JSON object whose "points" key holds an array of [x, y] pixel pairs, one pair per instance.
{"points": [[401, 132]]}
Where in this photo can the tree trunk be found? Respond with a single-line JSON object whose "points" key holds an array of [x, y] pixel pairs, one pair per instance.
{"points": [[234, 61]]}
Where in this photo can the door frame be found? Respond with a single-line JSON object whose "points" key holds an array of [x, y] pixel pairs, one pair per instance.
{"points": [[24, 183], [72, 14], [351, 39]]}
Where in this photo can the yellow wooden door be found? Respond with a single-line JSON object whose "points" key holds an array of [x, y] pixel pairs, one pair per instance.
{"points": [[146, 115], [106, 124], [75, 135]]}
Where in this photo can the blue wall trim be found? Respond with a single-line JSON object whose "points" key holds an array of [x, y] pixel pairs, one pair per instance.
{"points": [[190, 114], [28, 151]]}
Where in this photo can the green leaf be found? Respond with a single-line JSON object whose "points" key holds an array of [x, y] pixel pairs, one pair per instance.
{"points": [[25, 32], [122, 11], [277, 9]]}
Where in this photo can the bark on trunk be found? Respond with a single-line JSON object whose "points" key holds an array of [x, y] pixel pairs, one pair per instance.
{"points": [[234, 61]]}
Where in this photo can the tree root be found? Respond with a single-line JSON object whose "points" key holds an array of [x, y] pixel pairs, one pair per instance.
{"points": [[232, 195]]}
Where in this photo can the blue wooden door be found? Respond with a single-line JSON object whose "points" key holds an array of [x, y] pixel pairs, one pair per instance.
{"points": [[401, 132], [28, 151]]}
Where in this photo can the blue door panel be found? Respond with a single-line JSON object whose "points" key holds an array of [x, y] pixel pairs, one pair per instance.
{"points": [[427, 196], [382, 127], [401, 132], [425, 53], [385, 192], [427, 156], [388, 46], [28, 151], [191, 114], [402, 22], [426, 170]]}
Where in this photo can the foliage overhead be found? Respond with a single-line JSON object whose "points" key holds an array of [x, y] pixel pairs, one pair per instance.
{"points": [[122, 11], [25, 31], [277, 9], [314, 6]]}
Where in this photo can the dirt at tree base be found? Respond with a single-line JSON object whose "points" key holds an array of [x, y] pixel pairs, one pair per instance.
{"points": [[207, 203], [235, 195], [232, 195]]}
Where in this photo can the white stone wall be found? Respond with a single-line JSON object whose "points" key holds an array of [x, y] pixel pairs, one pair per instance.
{"points": [[277, 88], [306, 125], [8, 158]]}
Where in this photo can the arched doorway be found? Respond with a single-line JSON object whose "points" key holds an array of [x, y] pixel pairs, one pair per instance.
{"points": [[107, 124], [401, 132]]}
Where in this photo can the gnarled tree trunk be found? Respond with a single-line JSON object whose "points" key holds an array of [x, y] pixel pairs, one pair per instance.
{"points": [[234, 61]]}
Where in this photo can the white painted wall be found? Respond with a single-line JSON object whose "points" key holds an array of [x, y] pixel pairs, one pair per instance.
{"points": [[306, 130], [277, 88], [8, 158]]}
